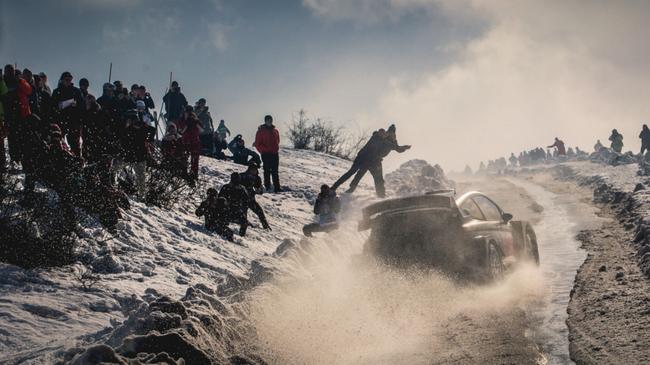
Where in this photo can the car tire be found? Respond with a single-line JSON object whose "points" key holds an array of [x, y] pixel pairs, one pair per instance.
{"points": [[495, 269], [530, 240]]}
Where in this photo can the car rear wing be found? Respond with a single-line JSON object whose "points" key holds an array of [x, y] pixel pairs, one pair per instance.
{"points": [[400, 205]]}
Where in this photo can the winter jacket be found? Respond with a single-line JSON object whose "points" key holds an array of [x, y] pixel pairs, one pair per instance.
{"points": [[252, 183], [3, 91], [97, 144], [222, 130], [243, 156], [175, 104], [190, 129], [68, 115], [206, 120], [216, 217], [236, 196], [561, 150], [135, 145], [327, 207], [617, 142], [24, 92], [267, 139], [645, 136]]}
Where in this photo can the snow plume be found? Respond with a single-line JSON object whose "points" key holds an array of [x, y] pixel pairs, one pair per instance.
{"points": [[572, 69], [336, 306]]}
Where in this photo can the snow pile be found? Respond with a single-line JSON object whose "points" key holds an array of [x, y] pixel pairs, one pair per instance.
{"points": [[608, 156], [417, 177]]}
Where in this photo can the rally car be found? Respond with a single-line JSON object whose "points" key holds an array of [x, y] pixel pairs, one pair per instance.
{"points": [[469, 235]]}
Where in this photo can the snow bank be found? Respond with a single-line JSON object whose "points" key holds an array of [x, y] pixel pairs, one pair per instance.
{"points": [[626, 191]]}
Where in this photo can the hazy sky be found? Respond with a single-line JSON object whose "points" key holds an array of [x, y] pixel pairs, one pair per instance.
{"points": [[464, 80]]}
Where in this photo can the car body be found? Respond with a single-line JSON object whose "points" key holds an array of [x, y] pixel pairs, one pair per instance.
{"points": [[468, 235]]}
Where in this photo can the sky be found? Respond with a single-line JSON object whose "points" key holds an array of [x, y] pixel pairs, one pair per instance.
{"points": [[463, 80]]}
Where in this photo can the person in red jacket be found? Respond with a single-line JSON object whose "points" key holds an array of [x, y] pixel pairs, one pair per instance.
{"points": [[190, 129], [267, 142]]}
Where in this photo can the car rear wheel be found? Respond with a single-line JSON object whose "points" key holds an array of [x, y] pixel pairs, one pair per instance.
{"points": [[495, 268]]}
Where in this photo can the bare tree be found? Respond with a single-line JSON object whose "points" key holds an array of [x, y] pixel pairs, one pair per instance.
{"points": [[300, 131]]}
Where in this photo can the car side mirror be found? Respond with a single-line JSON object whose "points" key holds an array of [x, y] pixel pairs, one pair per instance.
{"points": [[507, 217]]}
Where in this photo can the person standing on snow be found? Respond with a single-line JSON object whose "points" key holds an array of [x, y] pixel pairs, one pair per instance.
{"points": [[370, 158], [222, 131], [135, 150], [175, 103], [253, 184], [617, 141], [327, 206], [267, 142], [207, 135], [69, 103], [559, 144], [645, 139], [190, 128]]}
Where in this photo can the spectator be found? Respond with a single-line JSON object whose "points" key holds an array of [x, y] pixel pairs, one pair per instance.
{"points": [[4, 131], [84, 84], [617, 141], [370, 158], [327, 207], [147, 119], [97, 146], [146, 97], [222, 131], [267, 142], [69, 103], [46, 87], [253, 184], [136, 150], [175, 103], [190, 128], [215, 210], [174, 159], [238, 200], [242, 155], [559, 144], [202, 112], [645, 138], [124, 103]]}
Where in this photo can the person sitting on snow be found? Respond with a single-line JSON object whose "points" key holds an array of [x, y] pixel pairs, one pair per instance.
{"points": [[215, 210], [327, 206], [242, 155], [237, 197]]}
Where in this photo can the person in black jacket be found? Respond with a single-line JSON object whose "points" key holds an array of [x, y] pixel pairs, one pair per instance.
{"points": [[69, 104], [327, 206], [370, 158], [215, 210], [237, 197], [97, 144], [253, 184], [135, 149], [242, 155], [175, 103], [645, 139]]}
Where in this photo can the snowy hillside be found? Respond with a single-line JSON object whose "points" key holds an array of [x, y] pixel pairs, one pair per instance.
{"points": [[154, 257]]}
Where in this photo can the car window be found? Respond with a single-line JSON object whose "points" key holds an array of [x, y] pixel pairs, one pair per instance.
{"points": [[470, 209], [489, 209]]}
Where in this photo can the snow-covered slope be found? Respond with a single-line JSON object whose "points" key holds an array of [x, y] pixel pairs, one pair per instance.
{"points": [[154, 250]]}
